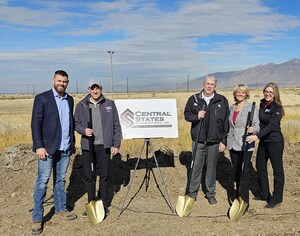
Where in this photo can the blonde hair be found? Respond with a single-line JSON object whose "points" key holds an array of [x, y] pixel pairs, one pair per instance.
{"points": [[242, 87], [276, 94]]}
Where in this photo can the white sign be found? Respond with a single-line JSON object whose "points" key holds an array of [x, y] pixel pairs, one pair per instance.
{"points": [[148, 118]]}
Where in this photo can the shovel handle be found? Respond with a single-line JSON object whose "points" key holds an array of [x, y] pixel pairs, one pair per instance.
{"points": [[194, 151]]}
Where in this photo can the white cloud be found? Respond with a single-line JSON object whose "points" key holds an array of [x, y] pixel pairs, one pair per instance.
{"points": [[110, 6], [36, 18], [152, 46]]}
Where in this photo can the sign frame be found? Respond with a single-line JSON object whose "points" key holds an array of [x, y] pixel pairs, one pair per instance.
{"points": [[148, 118]]}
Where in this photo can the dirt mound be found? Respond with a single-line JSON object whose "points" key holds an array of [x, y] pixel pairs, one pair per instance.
{"points": [[18, 157]]}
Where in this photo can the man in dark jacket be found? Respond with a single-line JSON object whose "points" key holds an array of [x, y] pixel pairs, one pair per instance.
{"points": [[96, 119], [53, 141], [213, 109]]}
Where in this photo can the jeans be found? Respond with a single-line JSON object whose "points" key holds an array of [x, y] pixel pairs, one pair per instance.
{"points": [[59, 162]]}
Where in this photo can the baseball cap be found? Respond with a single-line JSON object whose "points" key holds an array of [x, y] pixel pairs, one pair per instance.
{"points": [[95, 82]]}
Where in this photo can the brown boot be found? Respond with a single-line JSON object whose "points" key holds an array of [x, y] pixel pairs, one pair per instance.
{"points": [[65, 215], [36, 228]]}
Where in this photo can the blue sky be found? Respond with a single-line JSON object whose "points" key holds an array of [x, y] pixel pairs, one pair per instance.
{"points": [[157, 44]]}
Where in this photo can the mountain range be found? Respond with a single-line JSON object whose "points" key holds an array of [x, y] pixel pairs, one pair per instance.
{"points": [[286, 74]]}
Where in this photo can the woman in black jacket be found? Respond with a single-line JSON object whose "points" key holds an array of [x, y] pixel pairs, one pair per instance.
{"points": [[270, 146]]}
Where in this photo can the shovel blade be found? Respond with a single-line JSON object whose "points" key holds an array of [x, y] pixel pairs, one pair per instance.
{"points": [[184, 205], [180, 206], [237, 209], [189, 203], [234, 209], [242, 209], [95, 211]]}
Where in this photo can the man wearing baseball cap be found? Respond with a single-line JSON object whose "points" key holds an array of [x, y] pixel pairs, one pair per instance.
{"points": [[96, 119]]}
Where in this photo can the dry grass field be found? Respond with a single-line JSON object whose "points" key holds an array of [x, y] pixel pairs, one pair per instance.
{"points": [[148, 213], [15, 115]]}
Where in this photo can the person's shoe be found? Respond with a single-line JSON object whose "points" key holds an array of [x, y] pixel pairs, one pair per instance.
{"points": [[107, 212], [247, 208], [212, 200], [272, 205], [258, 198], [84, 214], [65, 215], [36, 228]]}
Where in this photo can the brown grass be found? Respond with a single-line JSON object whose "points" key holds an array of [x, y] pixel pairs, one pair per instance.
{"points": [[15, 115]]}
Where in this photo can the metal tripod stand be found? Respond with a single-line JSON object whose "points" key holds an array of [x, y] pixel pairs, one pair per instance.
{"points": [[147, 143]]}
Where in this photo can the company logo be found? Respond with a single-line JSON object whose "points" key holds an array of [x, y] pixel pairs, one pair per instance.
{"points": [[145, 119], [127, 118]]}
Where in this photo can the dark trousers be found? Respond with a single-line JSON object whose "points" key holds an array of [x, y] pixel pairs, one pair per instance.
{"points": [[274, 152], [101, 166], [206, 157], [242, 173]]}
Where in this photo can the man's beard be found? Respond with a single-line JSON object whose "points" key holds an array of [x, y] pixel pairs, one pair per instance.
{"points": [[60, 88]]}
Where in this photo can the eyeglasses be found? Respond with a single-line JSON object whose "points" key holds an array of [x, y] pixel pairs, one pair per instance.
{"points": [[268, 92]]}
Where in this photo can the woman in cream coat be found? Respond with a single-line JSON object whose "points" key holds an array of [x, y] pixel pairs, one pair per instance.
{"points": [[235, 140]]}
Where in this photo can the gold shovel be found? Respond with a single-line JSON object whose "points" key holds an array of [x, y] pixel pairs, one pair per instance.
{"points": [[234, 209], [95, 211], [184, 205], [242, 209], [237, 209]]}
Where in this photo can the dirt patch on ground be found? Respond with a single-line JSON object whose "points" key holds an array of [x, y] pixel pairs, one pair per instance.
{"points": [[148, 210]]}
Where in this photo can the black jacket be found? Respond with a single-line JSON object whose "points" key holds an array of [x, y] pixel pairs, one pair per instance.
{"points": [[112, 133], [269, 118], [215, 125]]}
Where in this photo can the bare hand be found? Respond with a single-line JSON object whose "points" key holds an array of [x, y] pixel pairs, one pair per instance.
{"points": [[251, 138], [42, 153], [221, 147], [114, 150], [88, 132], [201, 114], [250, 129]]}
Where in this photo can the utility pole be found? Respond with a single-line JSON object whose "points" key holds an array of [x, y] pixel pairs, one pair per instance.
{"points": [[111, 72], [77, 86], [28, 90], [188, 83]]}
